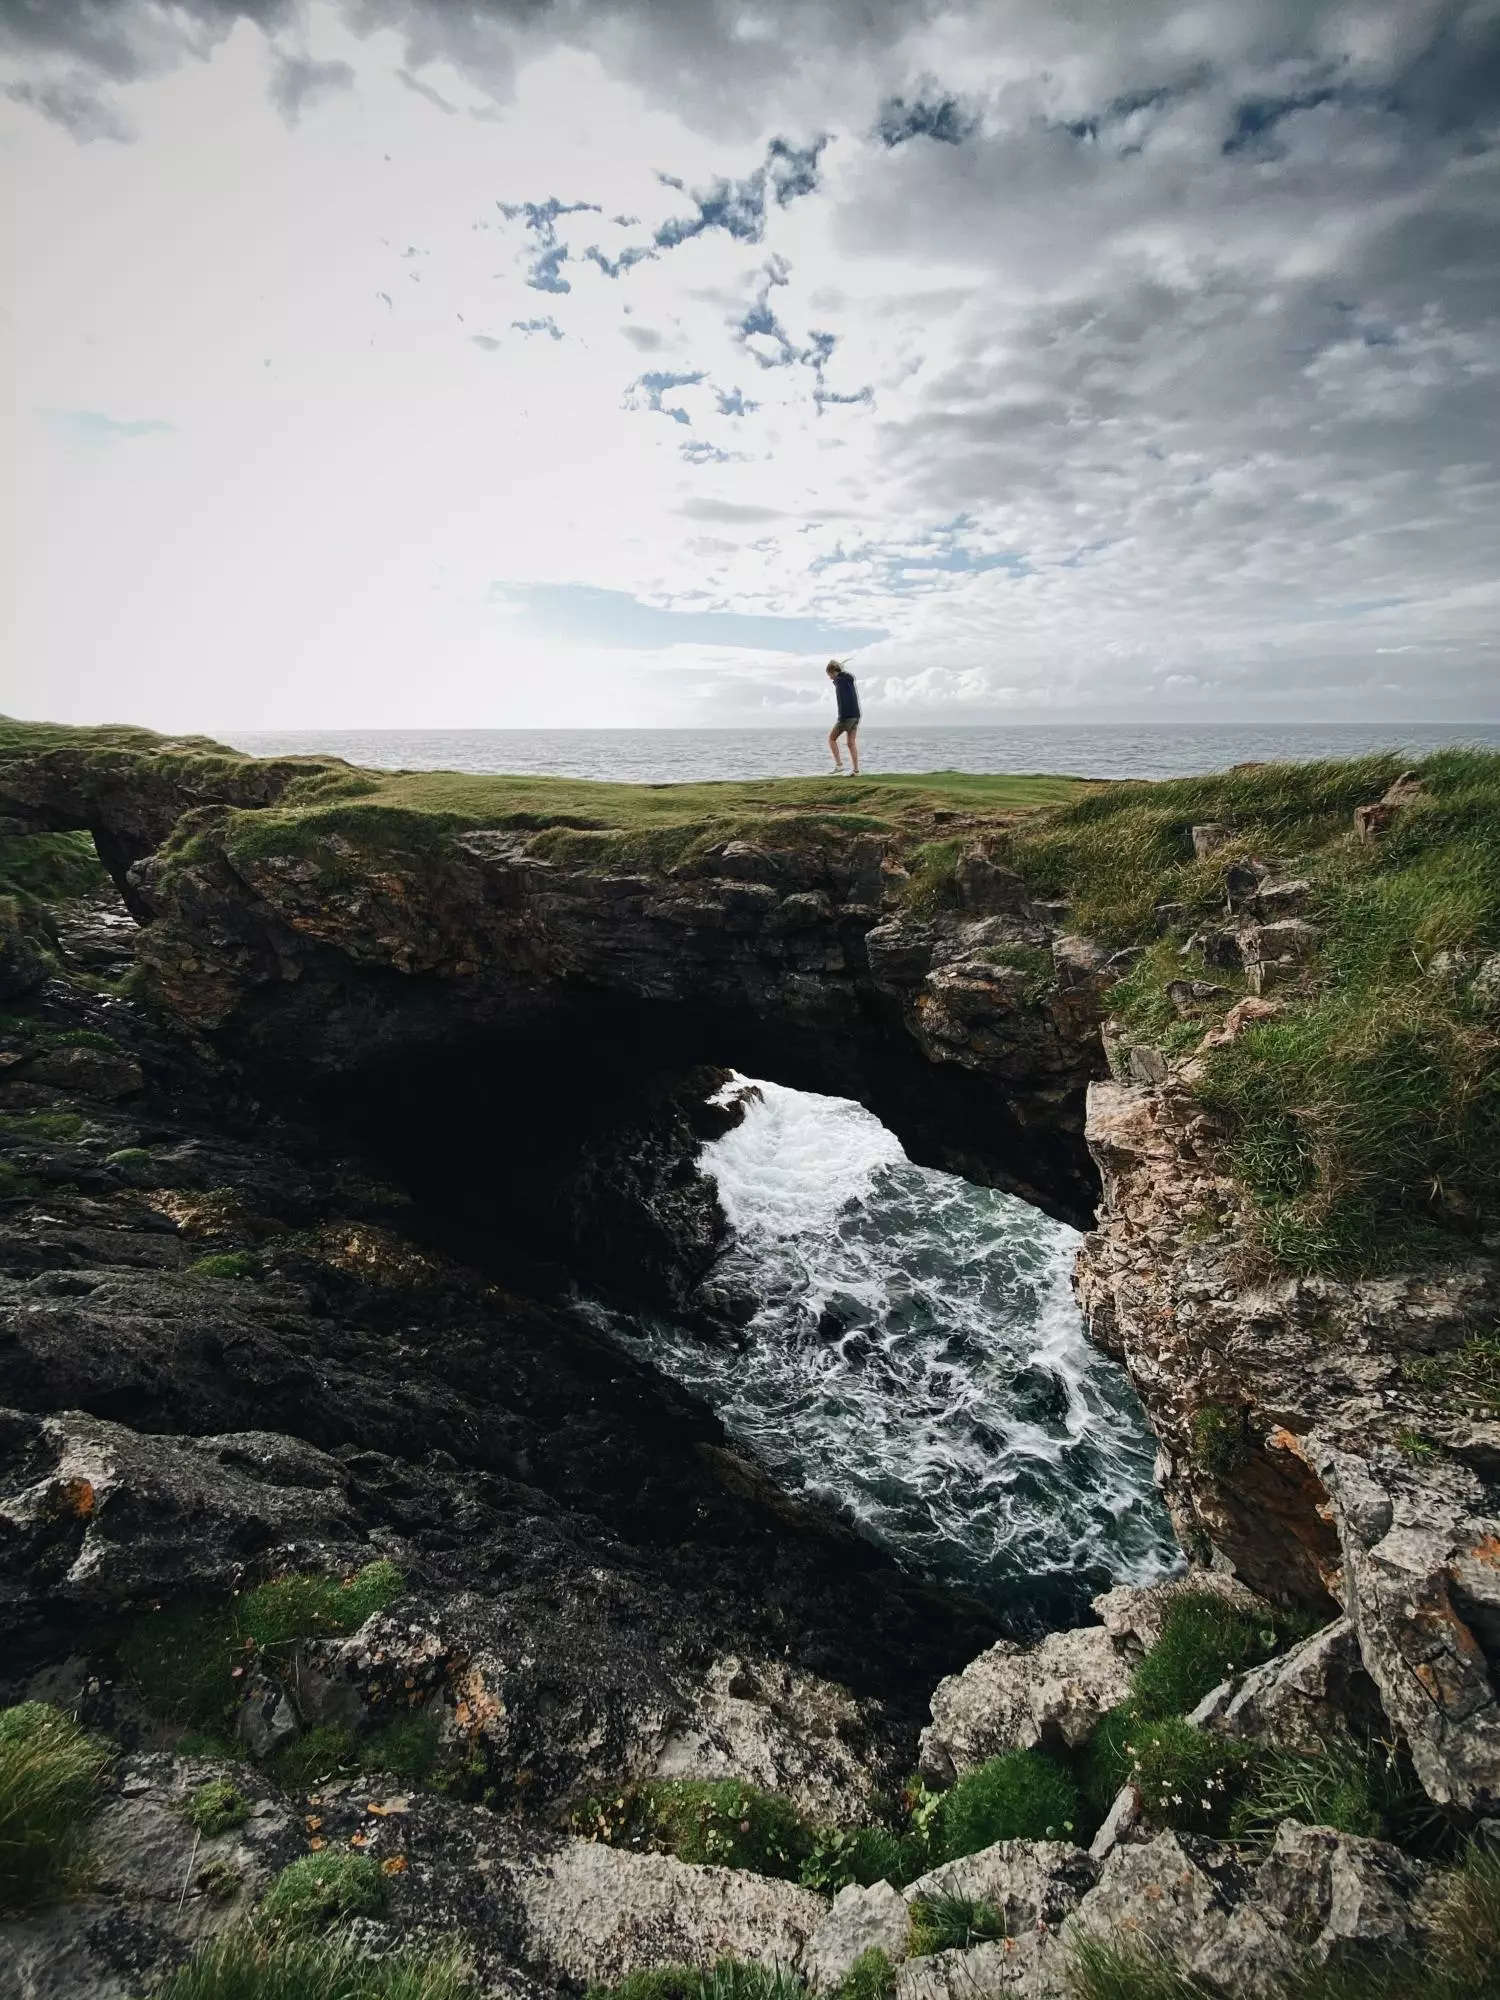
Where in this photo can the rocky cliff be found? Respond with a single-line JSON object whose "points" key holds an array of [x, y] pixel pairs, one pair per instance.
{"points": [[234, 1344]]}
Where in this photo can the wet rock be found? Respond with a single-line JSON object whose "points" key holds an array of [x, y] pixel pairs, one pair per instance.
{"points": [[595, 1913], [1013, 1698], [104, 1073], [861, 1920]]}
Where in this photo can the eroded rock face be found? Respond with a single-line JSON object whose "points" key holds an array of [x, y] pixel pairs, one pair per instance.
{"points": [[595, 1913], [1281, 1406], [1020, 1698]]}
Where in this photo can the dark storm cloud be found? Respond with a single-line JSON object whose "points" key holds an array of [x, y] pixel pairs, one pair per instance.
{"points": [[941, 118], [434, 97], [77, 107], [296, 82]]}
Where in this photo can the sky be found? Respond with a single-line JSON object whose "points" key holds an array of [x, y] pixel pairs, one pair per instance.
{"points": [[500, 363]]}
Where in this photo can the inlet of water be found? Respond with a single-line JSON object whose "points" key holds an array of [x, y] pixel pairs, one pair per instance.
{"points": [[917, 1362]]}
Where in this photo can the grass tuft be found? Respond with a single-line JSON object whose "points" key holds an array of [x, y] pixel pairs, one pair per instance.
{"points": [[1101, 1969], [952, 1923], [217, 1806], [183, 1657], [729, 1979], [1024, 1795], [253, 1964], [226, 1264], [324, 1889], [720, 1821], [50, 1773]]}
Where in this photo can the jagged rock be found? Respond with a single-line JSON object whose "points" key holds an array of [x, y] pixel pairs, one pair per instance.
{"points": [[1242, 1015], [1315, 1692], [1118, 1824], [1345, 1898], [1209, 838], [778, 1728], [1014, 1698], [1421, 1585], [596, 1913], [96, 1516], [1131, 1615], [105, 1073], [22, 965], [1370, 822], [1193, 1902], [1275, 952], [1031, 1965], [861, 1920], [985, 890], [1031, 1883], [1187, 995], [266, 1717]]}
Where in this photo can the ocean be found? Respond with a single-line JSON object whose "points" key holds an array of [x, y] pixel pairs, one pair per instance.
{"points": [[685, 756]]}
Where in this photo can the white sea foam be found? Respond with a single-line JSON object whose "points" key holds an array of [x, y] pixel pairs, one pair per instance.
{"points": [[917, 1360]]}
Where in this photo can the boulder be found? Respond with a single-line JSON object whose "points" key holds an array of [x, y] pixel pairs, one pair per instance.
{"points": [[985, 890], [861, 1920], [1316, 1691], [1031, 1965], [1346, 1898], [595, 1913], [1031, 1883], [1017, 1698], [22, 966]]}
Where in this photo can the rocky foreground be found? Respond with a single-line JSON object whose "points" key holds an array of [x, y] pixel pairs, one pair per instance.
{"points": [[259, 1321]]}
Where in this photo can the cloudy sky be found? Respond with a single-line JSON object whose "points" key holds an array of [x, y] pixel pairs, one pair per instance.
{"points": [[502, 362]]}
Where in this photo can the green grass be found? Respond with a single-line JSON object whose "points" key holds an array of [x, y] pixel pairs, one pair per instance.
{"points": [[1105, 1969], [862, 1854], [226, 1264], [217, 1807], [871, 1977], [720, 1821], [16, 1186], [406, 1749], [42, 868], [183, 1656], [952, 1923], [729, 1979], [50, 1774], [1024, 1795], [39, 1127], [1468, 1375], [253, 1964], [1203, 1640], [1366, 1788], [324, 1889]]}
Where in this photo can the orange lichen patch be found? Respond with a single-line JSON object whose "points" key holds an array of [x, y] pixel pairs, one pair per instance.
{"points": [[1487, 1552], [394, 1864], [379, 1256], [476, 1707], [76, 1497], [1282, 1439]]}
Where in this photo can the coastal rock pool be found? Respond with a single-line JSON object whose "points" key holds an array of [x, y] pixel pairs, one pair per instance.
{"points": [[917, 1362]]}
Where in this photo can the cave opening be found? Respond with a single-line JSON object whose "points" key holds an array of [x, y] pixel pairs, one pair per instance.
{"points": [[891, 1341]]}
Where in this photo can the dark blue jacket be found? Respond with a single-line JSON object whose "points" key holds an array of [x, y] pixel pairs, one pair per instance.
{"points": [[848, 694]]}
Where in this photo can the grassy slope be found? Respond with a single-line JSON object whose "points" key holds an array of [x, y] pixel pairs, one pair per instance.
{"points": [[1365, 1120]]}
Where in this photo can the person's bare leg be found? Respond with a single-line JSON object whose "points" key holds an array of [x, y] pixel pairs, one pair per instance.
{"points": [[852, 737], [833, 744]]}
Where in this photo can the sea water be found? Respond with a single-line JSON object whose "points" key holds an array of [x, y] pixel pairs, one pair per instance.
{"points": [[917, 1362]]}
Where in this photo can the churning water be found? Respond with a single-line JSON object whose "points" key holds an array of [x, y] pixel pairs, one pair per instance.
{"points": [[917, 1362]]}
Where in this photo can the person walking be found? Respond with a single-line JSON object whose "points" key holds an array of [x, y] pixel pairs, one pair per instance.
{"points": [[847, 725]]}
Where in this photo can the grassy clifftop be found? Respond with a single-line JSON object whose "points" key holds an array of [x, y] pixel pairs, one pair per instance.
{"points": [[1365, 1112]]}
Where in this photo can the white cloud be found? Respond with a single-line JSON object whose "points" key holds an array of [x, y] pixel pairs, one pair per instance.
{"points": [[1164, 372]]}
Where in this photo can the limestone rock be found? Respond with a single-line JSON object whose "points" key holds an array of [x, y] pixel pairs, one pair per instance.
{"points": [[1343, 1897], [266, 1718], [1132, 1615], [1317, 1690], [1031, 1883], [1422, 1590], [1014, 1698], [861, 1920], [1193, 1902], [595, 1913], [780, 1728], [1118, 1824], [1030, 1965], [986, 890]]}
